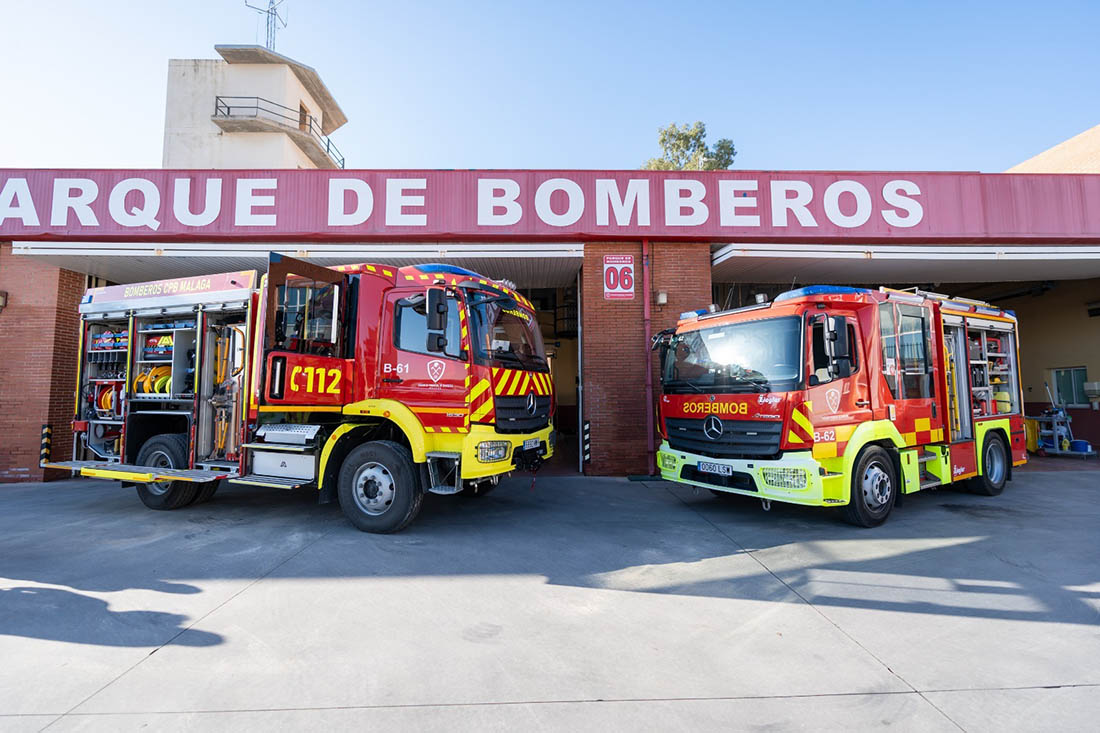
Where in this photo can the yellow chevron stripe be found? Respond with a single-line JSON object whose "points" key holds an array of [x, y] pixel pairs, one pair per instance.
{"points": [[445, 429], [501, 383], [482, 411], [792, 438], [526, 382], [478, 389], [802, 421], [515, 384]]}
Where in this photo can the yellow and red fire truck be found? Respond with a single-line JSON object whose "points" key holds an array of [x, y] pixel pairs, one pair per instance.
{"points": [[370, 383], [842, 396]]}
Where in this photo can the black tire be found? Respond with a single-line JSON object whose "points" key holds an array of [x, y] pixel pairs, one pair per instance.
{"points": [[166, 451], [379, 487], [206, 491], [874, 488], [994, 467]]}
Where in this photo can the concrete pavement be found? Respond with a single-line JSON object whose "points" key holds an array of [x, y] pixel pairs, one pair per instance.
{"points": [[585, 603]]}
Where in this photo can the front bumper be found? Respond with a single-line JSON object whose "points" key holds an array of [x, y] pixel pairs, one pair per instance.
{"points": [[805, 481], [473, 468]]}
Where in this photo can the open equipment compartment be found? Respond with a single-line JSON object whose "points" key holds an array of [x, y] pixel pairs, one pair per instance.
{"points": [[140, 373], [100, 402], [222, 387]]}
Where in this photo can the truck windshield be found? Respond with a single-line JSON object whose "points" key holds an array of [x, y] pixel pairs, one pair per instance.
{"points": [[760, 356], [505, 334]]}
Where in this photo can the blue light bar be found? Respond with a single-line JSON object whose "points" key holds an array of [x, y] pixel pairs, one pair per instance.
{"points": [[693, 314], [819, 290], [447, 269]]}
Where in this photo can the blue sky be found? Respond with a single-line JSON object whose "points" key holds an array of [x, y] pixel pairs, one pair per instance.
{"points": [[797, 85]]}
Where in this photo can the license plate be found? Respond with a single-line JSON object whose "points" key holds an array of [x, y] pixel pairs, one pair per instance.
{"points": [[719, 468], [531, 443]]}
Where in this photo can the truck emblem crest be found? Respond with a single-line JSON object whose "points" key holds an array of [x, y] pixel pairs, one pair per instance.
{"points": [[530, 406], [435, 369], [712, 427], [832, 399]]}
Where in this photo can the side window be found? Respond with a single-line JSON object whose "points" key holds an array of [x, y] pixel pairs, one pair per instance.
{"points": [[411, 328], [913, 336], [888, 334], [1069, 386], [306, 318], [820, 363]]}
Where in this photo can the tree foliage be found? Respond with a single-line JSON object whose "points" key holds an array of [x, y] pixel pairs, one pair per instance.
{"points": [[684, 148]]}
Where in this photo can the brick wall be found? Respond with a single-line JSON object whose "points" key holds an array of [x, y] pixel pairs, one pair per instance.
{"points": [[38, 334], [615, 348]]}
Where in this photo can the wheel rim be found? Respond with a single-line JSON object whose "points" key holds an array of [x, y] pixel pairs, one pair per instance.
{"points": [[159, 459], [995, 462], [374, 488], [876, 486]]}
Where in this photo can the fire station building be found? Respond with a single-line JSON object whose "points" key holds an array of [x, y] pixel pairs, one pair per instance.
{"points": [[609, 258]]}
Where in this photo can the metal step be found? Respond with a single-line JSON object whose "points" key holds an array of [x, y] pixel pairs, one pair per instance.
{"points": [[271, 482], [926, 457], [137, 474], [927, 482], [288, 433], [279, 447]]}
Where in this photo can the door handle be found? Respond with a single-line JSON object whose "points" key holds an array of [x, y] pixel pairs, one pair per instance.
{"points": [[395, 380], [863, 403]]}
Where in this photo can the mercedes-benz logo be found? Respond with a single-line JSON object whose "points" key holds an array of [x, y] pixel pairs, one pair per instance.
{"points": [[531, 405], [712, 427]]}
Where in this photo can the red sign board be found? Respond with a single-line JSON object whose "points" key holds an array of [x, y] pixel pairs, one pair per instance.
{"points": [[394, 205], [618, 277]]}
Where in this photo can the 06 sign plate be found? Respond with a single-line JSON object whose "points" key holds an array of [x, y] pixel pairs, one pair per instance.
{"points": [[618, 277]]}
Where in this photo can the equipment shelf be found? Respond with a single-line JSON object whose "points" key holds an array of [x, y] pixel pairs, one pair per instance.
{"points": [[165, 330]]}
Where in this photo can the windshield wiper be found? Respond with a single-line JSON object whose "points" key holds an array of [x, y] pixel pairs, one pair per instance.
{"points": [[506, 354], [761, 386], [674, 382]]}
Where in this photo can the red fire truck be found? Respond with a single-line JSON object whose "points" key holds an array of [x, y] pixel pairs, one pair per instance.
{"points": [[370, 383], [836, 396]]}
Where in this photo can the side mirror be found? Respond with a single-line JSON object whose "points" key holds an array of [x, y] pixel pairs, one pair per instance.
{"points": [[836, 338], [437, 309], [437, 343]]}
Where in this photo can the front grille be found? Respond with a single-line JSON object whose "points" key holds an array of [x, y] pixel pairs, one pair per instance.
{"points": [[512, 415], [739, 439], [738, 480]]}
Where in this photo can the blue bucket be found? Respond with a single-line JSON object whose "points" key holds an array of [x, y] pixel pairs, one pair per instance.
{"points": [[1079, 446]]}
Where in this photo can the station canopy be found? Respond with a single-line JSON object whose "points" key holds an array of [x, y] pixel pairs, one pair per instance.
{"points": [[530, 226]]}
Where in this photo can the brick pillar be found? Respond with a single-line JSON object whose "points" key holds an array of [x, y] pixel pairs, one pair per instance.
{"points": [[615, 348], [38, 343]]}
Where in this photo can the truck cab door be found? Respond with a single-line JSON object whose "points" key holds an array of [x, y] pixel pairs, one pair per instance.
{"points": [[307, 324], [839, 394], [430, 383], [911, 372]]}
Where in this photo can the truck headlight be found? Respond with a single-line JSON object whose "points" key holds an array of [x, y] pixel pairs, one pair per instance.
{"points": [[668, 461], [491, 451], [785, 478]]}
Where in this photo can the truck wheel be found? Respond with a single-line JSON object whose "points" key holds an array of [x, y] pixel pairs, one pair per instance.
{"points": [[378, 487], [994, 467], [166, 451], [874, 488], [206, 491]]}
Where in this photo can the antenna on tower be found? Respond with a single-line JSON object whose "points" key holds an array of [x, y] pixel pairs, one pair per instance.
{"points": [[273, 19]]}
